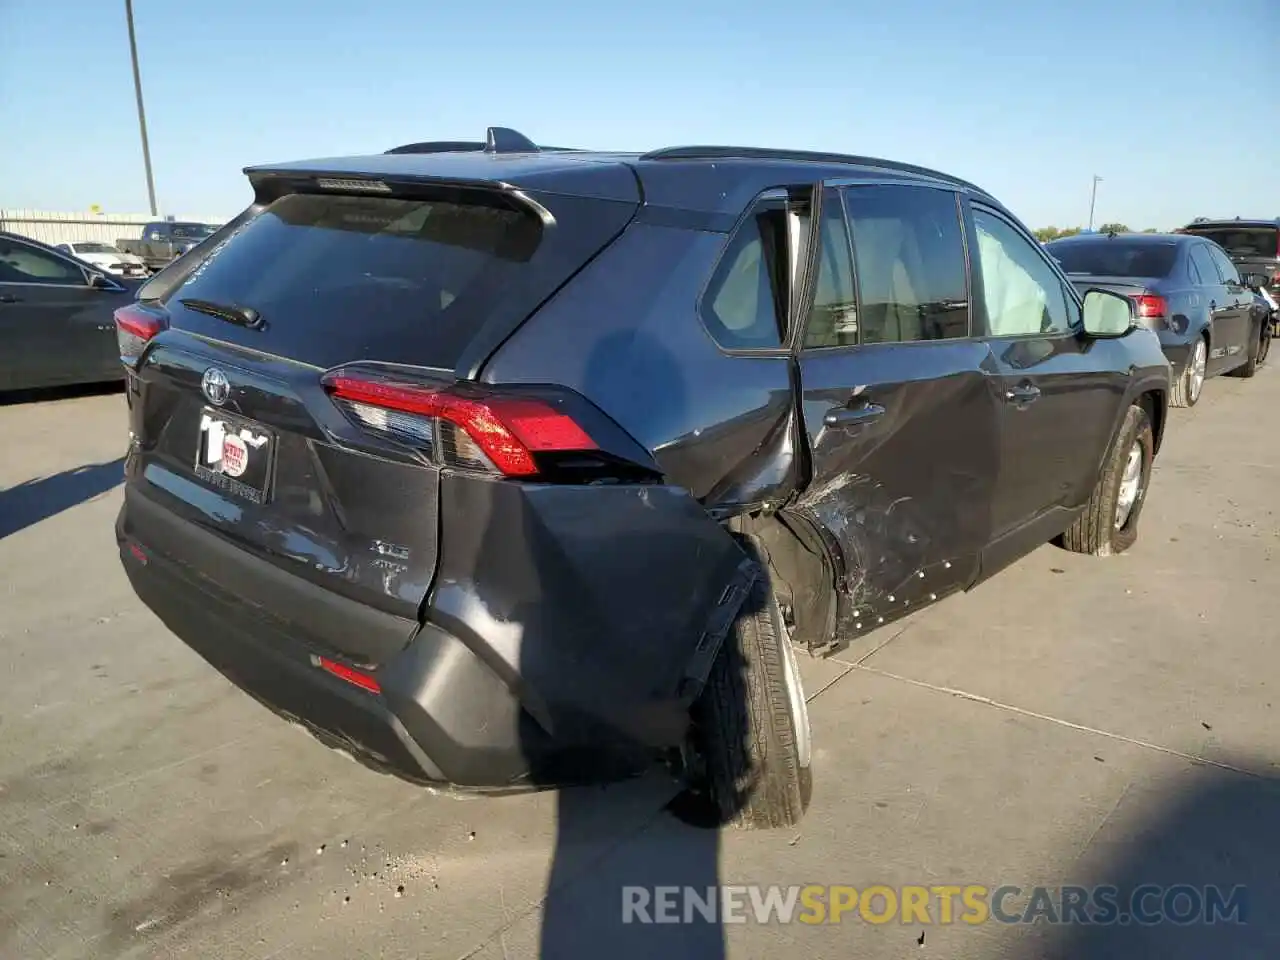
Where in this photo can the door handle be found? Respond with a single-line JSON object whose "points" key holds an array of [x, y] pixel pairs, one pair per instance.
{"points": [[1023, 393], [9, 298], [842, 418]]}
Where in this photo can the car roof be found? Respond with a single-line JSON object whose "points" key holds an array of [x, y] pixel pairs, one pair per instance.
{"points": [[1142, 238], [715, 179], [1235, 222]]}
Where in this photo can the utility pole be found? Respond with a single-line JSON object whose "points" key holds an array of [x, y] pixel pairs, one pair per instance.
{"points": [[1093, 197], [142, 115]]}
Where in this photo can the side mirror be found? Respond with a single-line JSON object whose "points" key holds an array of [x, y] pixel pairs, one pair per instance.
{"points": [[99, 282], [1108, 314]]}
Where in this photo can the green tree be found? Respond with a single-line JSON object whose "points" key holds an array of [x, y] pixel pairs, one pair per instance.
{"points": [[1114, 228], [1045, 234]]}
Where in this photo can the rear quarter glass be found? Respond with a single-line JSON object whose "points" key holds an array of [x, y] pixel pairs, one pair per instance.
{"points": [[405, 279]]}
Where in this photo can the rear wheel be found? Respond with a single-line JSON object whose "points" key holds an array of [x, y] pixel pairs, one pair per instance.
{"points": [[751, 725], [1109, 523], [1258, 351], [1187, 387]]}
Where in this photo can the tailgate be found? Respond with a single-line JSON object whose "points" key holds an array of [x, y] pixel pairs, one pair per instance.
{"points": [[236, 438], [306, 499]]}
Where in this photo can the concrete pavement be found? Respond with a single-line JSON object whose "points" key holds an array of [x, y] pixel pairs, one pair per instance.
{"points": [[1073, 721]]}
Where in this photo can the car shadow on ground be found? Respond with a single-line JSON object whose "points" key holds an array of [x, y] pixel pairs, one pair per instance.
{"points": [[35, 500], [1214, 836], [590, 886], [44, 394]]}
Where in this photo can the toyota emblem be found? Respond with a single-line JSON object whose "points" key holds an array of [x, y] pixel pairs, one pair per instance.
{"points": [[215, 386]]}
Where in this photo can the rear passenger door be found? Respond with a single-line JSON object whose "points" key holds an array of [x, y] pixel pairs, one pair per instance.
{"points": [[1060, 389], [1232, 311], [901, 404]]}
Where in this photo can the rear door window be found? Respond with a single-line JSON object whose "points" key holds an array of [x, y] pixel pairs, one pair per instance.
{"points": [[833, 317], [1226, 269], [908, 248], [1203, 264]]}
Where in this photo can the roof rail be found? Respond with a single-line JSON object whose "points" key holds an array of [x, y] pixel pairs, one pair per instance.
{"points": [[806, 156], [497, 140]]}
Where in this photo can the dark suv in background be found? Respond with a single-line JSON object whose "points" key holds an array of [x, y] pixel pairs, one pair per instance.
{"points": [[1252, 245], [510, 467]]}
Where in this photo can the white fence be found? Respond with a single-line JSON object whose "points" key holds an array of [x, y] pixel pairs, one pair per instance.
{"points": [[52, 226]]}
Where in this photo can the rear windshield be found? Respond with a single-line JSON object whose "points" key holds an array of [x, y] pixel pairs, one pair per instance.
{"points": [[94, 248], [364, 269], [1242, 241], [1114, 257]]}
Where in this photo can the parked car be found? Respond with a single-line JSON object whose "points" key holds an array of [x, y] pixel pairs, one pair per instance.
{"points": [[105, 257], [56, 324], [164, 241], [1252, 245], [1188, 291], [536, 467]]}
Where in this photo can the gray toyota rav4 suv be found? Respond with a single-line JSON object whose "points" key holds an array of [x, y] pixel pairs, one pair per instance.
{"points": [[510, 467]]}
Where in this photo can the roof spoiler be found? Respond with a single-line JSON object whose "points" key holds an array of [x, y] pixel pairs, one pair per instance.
{"points": [[497, 140]]}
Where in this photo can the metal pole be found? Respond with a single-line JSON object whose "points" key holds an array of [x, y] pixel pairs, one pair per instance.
{"points": [[142, 115], [1093, 198]]}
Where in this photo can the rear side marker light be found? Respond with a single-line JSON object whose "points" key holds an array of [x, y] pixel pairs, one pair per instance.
{"points": [[490, 432], [135, 326], [352, 676], [137, 552]]}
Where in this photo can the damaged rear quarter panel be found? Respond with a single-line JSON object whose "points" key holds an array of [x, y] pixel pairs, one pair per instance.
{"points": [[599, 605]]}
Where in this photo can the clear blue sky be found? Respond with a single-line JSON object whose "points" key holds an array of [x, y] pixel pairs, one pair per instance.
{"points": [[1177, 106]]}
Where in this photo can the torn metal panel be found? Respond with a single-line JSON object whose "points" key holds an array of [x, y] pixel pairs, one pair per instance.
{"points": [[904, 446]]}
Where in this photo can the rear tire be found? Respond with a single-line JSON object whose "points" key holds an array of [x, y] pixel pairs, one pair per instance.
{"points": [[1186, 389], [1258, 351], [1107, 527], [751, 725]]}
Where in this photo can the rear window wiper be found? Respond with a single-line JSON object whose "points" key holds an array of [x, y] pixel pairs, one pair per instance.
{"points": [[243, 316]]}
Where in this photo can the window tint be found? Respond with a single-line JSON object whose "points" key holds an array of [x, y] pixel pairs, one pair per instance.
{"points": [[1021, 292], [1203, 263], [748, 292], [909, 251], [190, 231], [1242, 241], [1226, 269], [833, 318], [1192, 270], [20, 263], [1105, 257], [383, 270]]}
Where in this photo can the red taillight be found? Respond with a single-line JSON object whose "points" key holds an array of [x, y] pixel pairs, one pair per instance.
{"points": [[343, 672], [1152, 305], [481, 431], [135, 326]]}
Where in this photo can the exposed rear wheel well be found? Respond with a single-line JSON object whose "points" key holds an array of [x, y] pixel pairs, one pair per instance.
{"points": [[800, 569], [1153, 402]]}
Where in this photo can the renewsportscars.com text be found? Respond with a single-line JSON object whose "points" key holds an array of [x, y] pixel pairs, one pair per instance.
{"points": [[972, 904]]}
